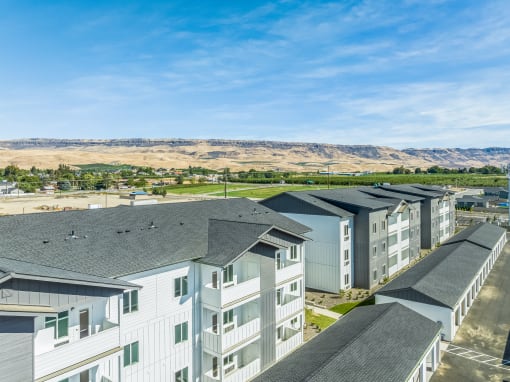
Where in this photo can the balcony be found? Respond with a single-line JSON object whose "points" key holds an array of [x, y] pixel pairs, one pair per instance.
{"points": [[242, 373], [291, 305], [291, 340], [289, 270], [105, 339], [220, 297], [220, 343]]}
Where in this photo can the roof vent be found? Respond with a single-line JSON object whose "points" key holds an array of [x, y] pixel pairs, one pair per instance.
{"points": [[45, 241], [152, 225], [181, 223]]}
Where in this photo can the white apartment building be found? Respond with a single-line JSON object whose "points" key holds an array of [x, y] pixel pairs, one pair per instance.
{"points": [[199, 291]]}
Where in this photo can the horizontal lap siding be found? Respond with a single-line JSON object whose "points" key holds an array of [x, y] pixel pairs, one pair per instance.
{"points": [[16, 349]]}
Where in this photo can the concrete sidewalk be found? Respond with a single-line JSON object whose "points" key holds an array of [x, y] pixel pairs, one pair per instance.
{"points": [[324, 312]]}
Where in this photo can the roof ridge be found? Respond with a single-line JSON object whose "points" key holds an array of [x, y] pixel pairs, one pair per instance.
{"points": [[353, 339]]}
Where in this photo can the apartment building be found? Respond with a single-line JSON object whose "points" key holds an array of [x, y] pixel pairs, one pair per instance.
{"points": [[329, 254], [444, 285], [379, 235], [198, 291], [437, 211]]}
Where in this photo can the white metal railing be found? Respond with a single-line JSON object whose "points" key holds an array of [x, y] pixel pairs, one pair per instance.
{"points": [[218, 343], [289, 343], [292, 270], [75, 352]]}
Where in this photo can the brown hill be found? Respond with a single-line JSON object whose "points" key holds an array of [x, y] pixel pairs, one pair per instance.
{"points": [[237, 155]]}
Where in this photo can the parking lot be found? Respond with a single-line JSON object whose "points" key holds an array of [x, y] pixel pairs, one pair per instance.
{"points": [[481, 349]]}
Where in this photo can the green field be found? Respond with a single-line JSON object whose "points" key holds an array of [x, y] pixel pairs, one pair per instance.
{"points": [[196, 189], [262, 192]]}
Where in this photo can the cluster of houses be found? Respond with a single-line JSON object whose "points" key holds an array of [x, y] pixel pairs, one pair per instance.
{"points": [[214, 290]]}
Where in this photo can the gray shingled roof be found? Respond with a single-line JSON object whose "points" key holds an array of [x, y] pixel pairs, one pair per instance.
{"points": [[485, 235], [20, 269], [123, 240], [351, 197], [411, 189], [382, 343], [302, 202], [379, 192], [443, 276]]}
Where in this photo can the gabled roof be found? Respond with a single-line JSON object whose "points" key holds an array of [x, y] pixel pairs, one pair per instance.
{"points": [[383, 343], [228, 240], [413, 190], [119, 241], [485, 235], [346, 197], [15, 269], [300, 202], [443, 276], [380, 193]]}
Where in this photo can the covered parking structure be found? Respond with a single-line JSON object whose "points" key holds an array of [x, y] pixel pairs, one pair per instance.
{"points": [[383, 343], [444, 285]]}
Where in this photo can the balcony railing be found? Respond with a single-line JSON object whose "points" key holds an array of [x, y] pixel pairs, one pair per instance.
{"points": [[289, 270], [219, 343], [75, 352], [292, 339], [291, 305], [242, 373], [220, 297]]}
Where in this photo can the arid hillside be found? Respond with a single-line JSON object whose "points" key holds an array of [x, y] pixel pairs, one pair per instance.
{"points": [[237, 155]]}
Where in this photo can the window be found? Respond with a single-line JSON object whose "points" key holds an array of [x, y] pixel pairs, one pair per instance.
{"points": [[215, 323], [393, 260], [374, 251], [181, 286], [346, 230], [131, 354], [130, 301], [278, 296], [215, 280], [60, 324], [293, 252], [384, 246], [228, 320], [375, 275], [293, 286], [405, 254], [383, 225], [181, 332], [346, 279], [374, 228], [392, 239], [215, 366], [182, 375], [279, 332], [228, 363], [405, 234], [346, 254], [228, 274], [278, 260], [384, 270], [294, 323]]}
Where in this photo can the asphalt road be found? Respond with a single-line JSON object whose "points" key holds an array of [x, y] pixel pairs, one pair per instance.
{"points": [[480, 350]]}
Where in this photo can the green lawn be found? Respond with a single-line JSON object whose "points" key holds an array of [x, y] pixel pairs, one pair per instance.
{"points": [[202, 188], [263, 192], [348, 306], [318, 319]]}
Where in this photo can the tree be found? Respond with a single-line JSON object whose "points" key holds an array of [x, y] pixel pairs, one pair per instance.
{"points": [[417, 170]]}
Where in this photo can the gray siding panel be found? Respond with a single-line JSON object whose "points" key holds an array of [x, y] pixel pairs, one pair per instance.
{"points": [[16, 350], [38, 293]]}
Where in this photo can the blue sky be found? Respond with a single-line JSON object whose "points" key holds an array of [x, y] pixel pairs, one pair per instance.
{"points": [[395, 73]]}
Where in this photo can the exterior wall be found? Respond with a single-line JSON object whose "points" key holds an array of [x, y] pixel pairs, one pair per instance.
{"points": [[56, 295], [375, 266], [414, 231], [16, 351], [324, 262], [433, 312], [153, 325]]}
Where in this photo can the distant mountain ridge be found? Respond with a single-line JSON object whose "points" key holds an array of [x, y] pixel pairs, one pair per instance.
{"points": [[239, 154]]}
